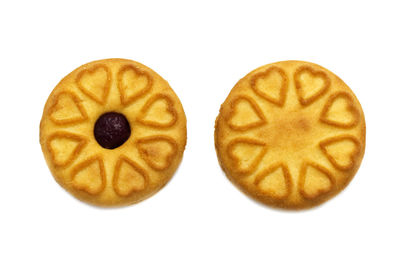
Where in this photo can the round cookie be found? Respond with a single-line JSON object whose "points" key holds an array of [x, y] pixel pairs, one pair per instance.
{"points": [[113, 132], [290, 135]]}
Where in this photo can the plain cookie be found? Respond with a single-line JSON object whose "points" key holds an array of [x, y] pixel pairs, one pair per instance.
{"points": [[290, 135]]}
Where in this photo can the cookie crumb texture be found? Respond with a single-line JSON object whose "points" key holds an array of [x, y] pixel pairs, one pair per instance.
{"points": [[290, 135], [148, 158]]}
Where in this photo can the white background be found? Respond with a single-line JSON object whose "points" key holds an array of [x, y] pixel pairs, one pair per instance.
{"points": [[202, 49]]}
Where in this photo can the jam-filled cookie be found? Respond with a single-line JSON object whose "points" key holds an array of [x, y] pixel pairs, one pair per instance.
{"points": [[290, 135], [113, 132]]}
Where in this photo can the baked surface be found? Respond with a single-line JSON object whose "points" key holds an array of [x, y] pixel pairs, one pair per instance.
{"points": [[138, 168], [290, 135]]}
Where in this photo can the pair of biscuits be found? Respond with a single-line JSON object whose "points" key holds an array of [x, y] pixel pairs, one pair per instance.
{"points": [[290, 134]]}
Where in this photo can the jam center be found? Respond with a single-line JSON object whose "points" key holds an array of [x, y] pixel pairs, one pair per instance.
{"points": [[111, 130]]}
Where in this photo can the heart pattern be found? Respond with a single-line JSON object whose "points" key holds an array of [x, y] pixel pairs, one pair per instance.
{"points": [[64, 147], [89, 176], [246, 154], [157, 151], [275, 182], [273, 141], [335, 114], [95, 83], [271, 85], [67, 109], [341, 151], [315, 181], [82, 163], [310, 84], [246, 117], [133, 83], [159, 111], [129, 177]]}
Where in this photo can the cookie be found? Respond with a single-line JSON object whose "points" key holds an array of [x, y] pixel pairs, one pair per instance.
{"points": [[113, 132], [290, 135]]}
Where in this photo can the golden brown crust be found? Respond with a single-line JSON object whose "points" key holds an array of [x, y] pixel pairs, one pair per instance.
{"points": [[97, 92], [75, 152], [123, 88], [353, 156], [117, 176], [76, 117], [169, 108], [131, 172], [254, 106], [299, 87], [351, 107], [307, 129], [97, 159], [151, 153], [282, 87]]}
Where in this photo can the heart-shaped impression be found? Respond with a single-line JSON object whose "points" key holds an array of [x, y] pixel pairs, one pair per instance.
{"points": [[274, 182], [133, 83], [159, 111], [246, 154], [95, 83], [157, 151], [64, 147], [271, 85], [310, 84], [315, 181], [89, 176], [67, 109], [340, 111], [245, 114], [129, 177], [341, 151]]}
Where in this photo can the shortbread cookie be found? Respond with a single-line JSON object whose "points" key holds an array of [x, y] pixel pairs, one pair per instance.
{"points": [[113, 132], [290, 135]]}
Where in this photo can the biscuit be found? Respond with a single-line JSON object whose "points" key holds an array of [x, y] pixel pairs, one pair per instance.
{"points": [[113, 132], [290, 135]]}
